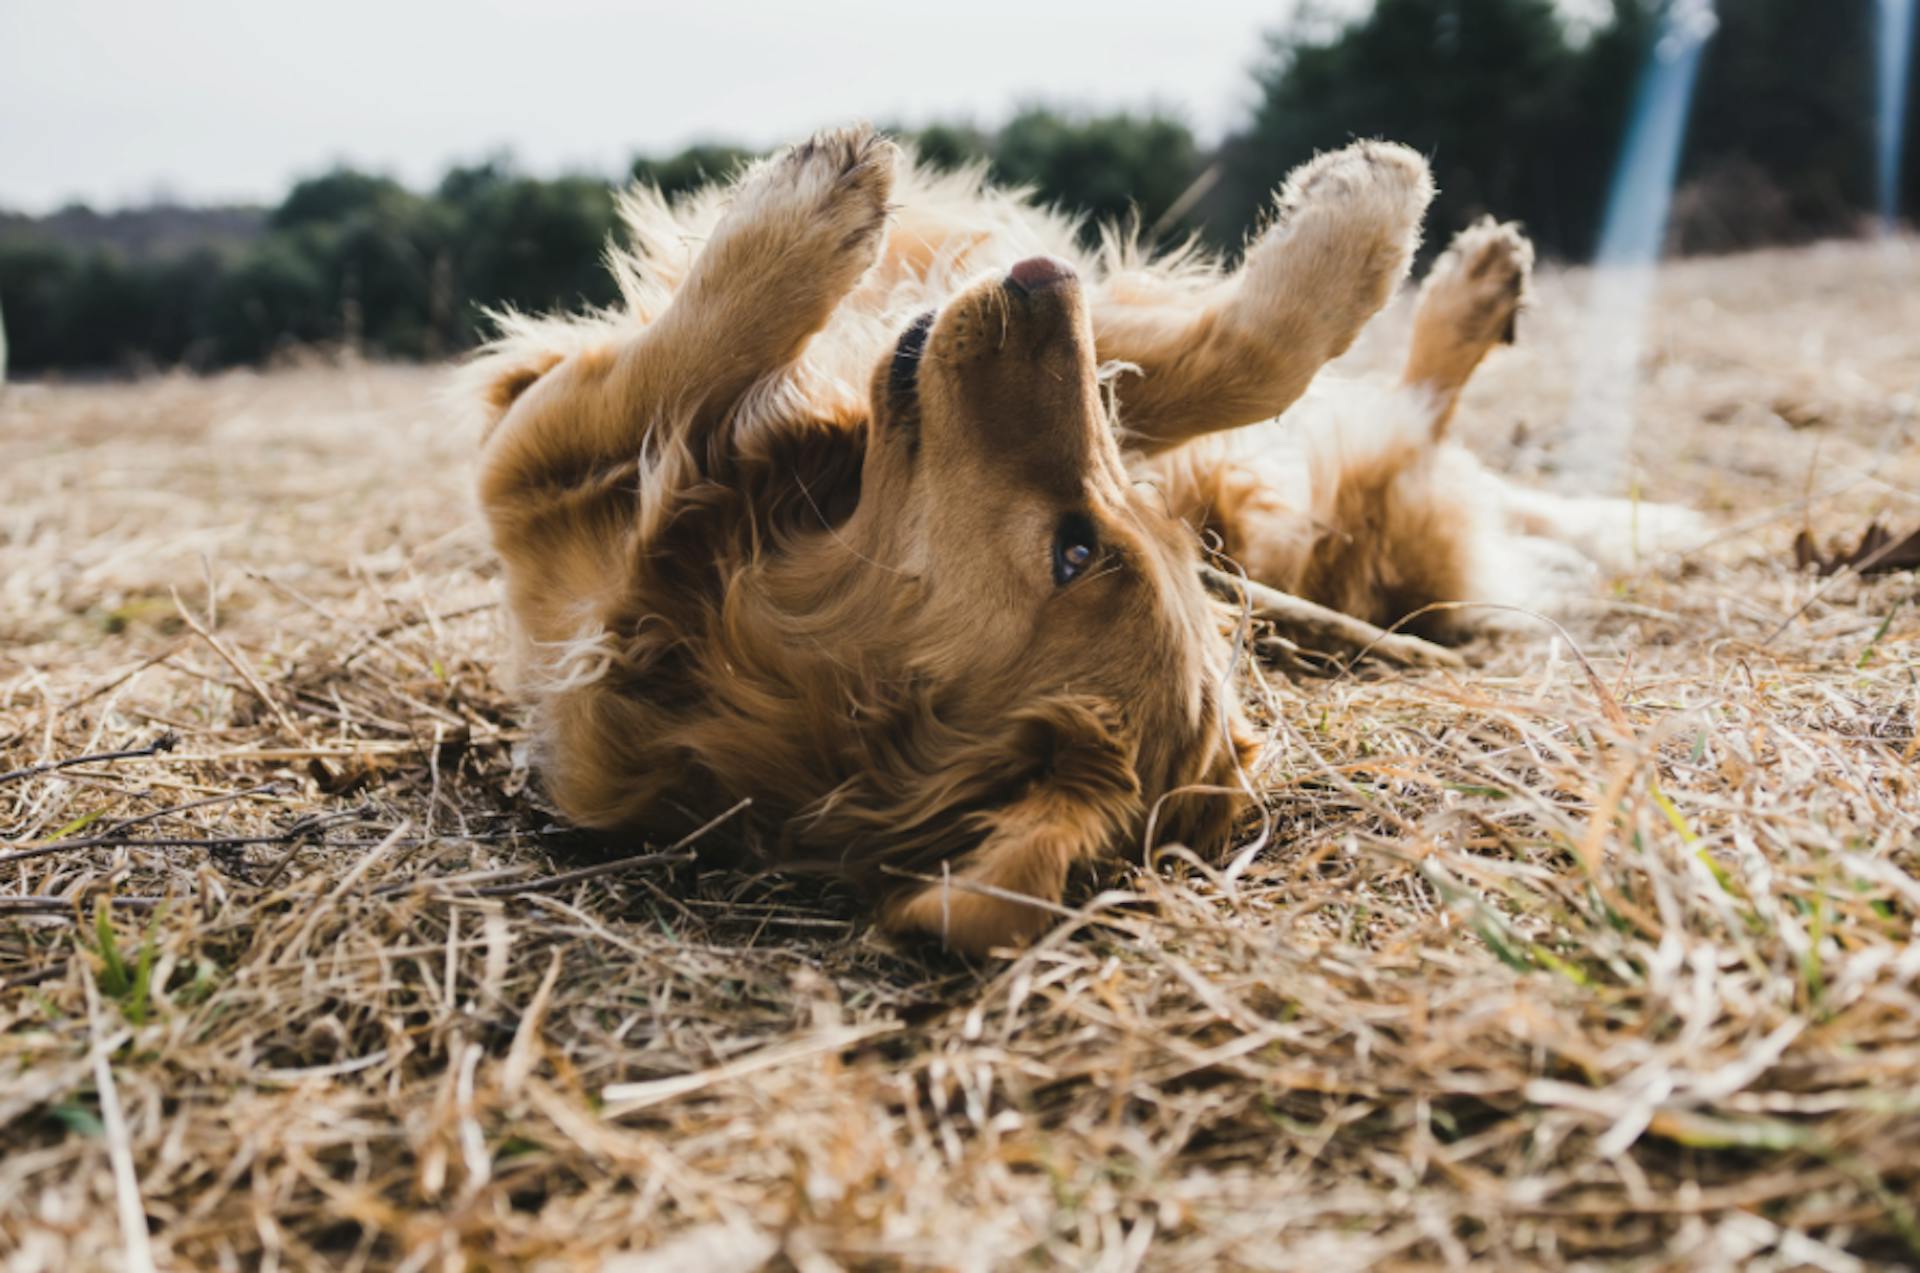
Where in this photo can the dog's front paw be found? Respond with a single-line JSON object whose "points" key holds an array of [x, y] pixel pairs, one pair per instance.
{"points": [[1344, 232], [827, 195], [966, 921]]}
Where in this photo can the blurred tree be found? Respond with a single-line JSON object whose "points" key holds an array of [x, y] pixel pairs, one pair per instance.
{"points": [[1521, 114], [332, 197], [38, 279], [535, 245], [1108, 167], [948, 146], [276, 296], [1781, 146], [692, 168], [1909, 185], [464, 186], [1487, 89]]}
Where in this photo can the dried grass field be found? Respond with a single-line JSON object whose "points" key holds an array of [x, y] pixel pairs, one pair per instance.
{"points": [[1538, 969]]}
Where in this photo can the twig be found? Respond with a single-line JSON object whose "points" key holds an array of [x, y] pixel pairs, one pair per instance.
{"points": [[116, 681], [37, 905], [166, 742], [1291, 657], [121, 826], [625, 1098], [368, 747], [1848, 570], [1318, 628], [546, 882], [257, 790], [126, 1182], [35, 977], [671, 855], [113, 839], [240, 669], [1187, 201], [379, 635], [299, 831], [449, 881]]}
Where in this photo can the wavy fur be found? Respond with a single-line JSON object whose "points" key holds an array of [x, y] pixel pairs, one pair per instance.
{"points": [[788, 522]]}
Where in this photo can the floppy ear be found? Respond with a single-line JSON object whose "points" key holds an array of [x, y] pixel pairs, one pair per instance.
{"points": [[1031, 847], [1074, 811]]}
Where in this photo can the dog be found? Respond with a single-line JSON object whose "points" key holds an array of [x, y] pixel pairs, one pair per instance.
{"points": [[879, 502]]}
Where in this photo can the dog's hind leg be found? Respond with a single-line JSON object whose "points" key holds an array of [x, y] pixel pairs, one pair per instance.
{"points": [[1413, 519], [1470, 302], [1343, 234]]}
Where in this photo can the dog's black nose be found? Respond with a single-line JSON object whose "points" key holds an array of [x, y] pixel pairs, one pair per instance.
{"points": [[1038, 272]]}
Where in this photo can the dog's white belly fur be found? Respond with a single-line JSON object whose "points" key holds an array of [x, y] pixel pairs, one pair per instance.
{"points": [[1526, 549]]}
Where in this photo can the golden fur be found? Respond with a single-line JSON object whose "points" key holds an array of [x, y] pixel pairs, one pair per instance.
{"points": [[799, 521]]}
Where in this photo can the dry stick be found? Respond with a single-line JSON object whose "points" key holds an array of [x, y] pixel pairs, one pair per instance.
{"points": [[166, 742], [300, 830], [113, 839], [626, 1098], [493, 876], [379, 635], [34, 978], [126, 1182], [1851, 570], [1318, 628], [368, 636], [37, 905], [1188, 200], [1292, 657], [121, 679], [122, 827], [256, 790], [546, 882], [673, 853], [240, 669], [1609, 705]]}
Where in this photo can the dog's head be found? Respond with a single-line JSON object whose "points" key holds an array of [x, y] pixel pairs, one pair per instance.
{"points": [[1050, 601]]}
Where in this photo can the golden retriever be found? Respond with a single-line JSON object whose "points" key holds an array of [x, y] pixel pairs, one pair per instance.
{"points": [[879, 502]]}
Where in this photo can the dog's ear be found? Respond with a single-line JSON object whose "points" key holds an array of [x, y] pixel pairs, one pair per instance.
{"points": [[1084, 798], [1032, 846]]}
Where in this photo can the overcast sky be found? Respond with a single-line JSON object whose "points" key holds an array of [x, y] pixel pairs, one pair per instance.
{"points": [[114, 101]]}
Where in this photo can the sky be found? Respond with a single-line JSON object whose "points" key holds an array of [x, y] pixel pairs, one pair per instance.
{"points": [[118, 101]]}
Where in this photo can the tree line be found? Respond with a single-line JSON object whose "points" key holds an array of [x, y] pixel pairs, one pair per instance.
{"points": [[1521, 108]]}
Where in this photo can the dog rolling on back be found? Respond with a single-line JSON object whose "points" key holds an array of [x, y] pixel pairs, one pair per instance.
{"points": [[878, 502]]}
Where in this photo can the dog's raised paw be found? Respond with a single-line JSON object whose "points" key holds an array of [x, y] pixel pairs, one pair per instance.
{"points": [[1372, 187], [843, 176], [818, 208], [1479, 285], [1343, 235]]}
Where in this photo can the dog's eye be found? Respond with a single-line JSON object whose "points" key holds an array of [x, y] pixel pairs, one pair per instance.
{"points": [[1074, 548]]}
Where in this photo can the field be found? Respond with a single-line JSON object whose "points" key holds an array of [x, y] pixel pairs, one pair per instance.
{"points": [[1600, 953]]}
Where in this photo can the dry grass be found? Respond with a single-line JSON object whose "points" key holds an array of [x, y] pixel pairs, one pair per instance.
{"points": [[1537, 969]]}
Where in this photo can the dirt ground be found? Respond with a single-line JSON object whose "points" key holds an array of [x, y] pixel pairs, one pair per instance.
{"points": [[1536, 968]]}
